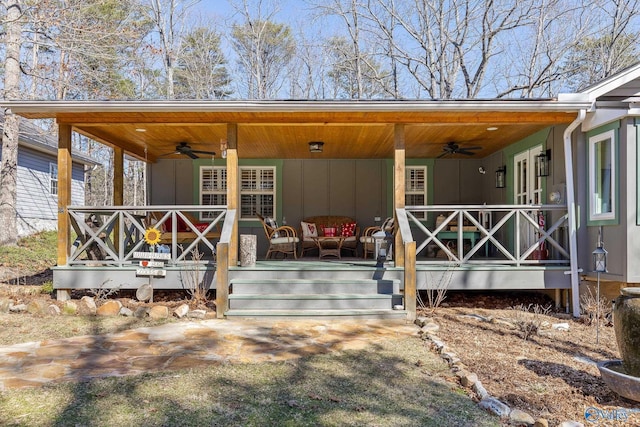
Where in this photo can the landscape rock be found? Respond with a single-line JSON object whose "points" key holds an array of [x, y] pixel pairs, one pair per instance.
{"points": [[196, 314], [35, 307], [158, 312], [53, 310], [181, 311], [479, 389], [519, 417], [438, 343], [494, 406], [450, 356], [421, 321], [469, 379], [20, 308], [560, 326], [126, 312], [109, 308], [141, 312], [87, 306], [5, 303], [541, 422], [430, 327], [70, 308]]}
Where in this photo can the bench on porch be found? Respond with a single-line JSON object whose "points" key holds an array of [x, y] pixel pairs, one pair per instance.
{"points": [[343, 225], [184, 233]]}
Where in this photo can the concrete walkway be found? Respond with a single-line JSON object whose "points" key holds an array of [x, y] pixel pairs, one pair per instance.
{"points": [[186, 345]]}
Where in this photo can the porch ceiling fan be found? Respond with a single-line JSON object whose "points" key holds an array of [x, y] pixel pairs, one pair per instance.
{"points": [[453, 148], [184, 148]]}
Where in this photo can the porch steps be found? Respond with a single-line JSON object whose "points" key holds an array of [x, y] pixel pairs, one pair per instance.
{"points": [[359, 298]]}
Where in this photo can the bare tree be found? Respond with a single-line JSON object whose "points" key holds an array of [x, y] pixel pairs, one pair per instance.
{"points": [[169, 18], [264, 49], [611, 48], [349, 82], [447, 46], [348, 12], [9, 163], [532, 64], [81, 49], [201, 72]]}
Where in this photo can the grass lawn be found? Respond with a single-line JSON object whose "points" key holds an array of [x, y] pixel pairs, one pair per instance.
{"points": [[397, 383]]}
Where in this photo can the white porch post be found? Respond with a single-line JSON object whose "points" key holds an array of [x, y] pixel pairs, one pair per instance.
{"points": [[571, 211]]}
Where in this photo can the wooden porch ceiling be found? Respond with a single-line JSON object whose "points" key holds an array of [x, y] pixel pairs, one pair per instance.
{"points": [[285, 134]]}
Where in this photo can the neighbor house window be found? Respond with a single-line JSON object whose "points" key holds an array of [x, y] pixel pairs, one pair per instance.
{"points": [[602, 176], [53, 179], [416, 188], [257, 189]]}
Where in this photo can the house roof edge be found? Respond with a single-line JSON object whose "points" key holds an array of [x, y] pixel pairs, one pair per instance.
{"points": [[564, 102]]}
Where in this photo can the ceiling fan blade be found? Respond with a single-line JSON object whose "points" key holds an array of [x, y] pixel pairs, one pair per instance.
{"points": [[213, 153], [190, 154], [471, 148], [465, 152], [443, 154]]}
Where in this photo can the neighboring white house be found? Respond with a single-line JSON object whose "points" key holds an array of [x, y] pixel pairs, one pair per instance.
{"points": [[37, 182]]}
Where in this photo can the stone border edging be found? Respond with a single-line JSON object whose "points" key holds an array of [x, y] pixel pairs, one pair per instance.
{"points": [[428, 328]]}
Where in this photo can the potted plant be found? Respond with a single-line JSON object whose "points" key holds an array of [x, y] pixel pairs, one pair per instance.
{"points": [[623, 376]]}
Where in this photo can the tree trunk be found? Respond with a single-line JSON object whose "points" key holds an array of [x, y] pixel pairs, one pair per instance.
{"points": [[9, 162]]}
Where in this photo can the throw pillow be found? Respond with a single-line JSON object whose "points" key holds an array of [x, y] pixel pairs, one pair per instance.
{"points": [[348, 229], [309, 229], [273, 224]]}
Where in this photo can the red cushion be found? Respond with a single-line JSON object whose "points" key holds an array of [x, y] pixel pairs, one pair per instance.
{"points": [[348, 229], [182, 225], [329, 231], [201, 226]]}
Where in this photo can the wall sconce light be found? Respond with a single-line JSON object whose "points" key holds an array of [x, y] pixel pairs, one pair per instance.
{"points": [[316, 146], [542, 163], [223, 148], [482, 170], [501, 177]]}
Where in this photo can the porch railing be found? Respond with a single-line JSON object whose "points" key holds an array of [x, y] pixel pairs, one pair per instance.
{"points": [[490, 234], [111, 235]]}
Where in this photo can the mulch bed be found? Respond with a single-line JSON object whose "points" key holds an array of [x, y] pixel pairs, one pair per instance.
{"points": [[551, 374]]}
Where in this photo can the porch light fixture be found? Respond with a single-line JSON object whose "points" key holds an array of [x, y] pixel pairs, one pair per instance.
{"points": [[316, 146], [223, 148], [542, 163], [501, 177]]}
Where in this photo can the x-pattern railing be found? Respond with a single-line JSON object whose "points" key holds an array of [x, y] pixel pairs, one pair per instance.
{"points": [[111, 235], [513, 222]]}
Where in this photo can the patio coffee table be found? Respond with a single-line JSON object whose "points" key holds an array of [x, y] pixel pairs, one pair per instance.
{"points": [[329, 246]]}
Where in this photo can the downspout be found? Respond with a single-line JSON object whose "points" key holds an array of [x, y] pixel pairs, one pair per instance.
{"points": [[571, 211]]}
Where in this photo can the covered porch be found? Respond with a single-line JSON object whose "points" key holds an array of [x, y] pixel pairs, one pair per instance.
{"points": [[436, 239]]}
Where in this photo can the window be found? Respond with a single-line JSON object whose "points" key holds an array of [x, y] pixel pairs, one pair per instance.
{"points": [[416, 188], [257, 189], [213, 188], [53, 179], [602, 176]]}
